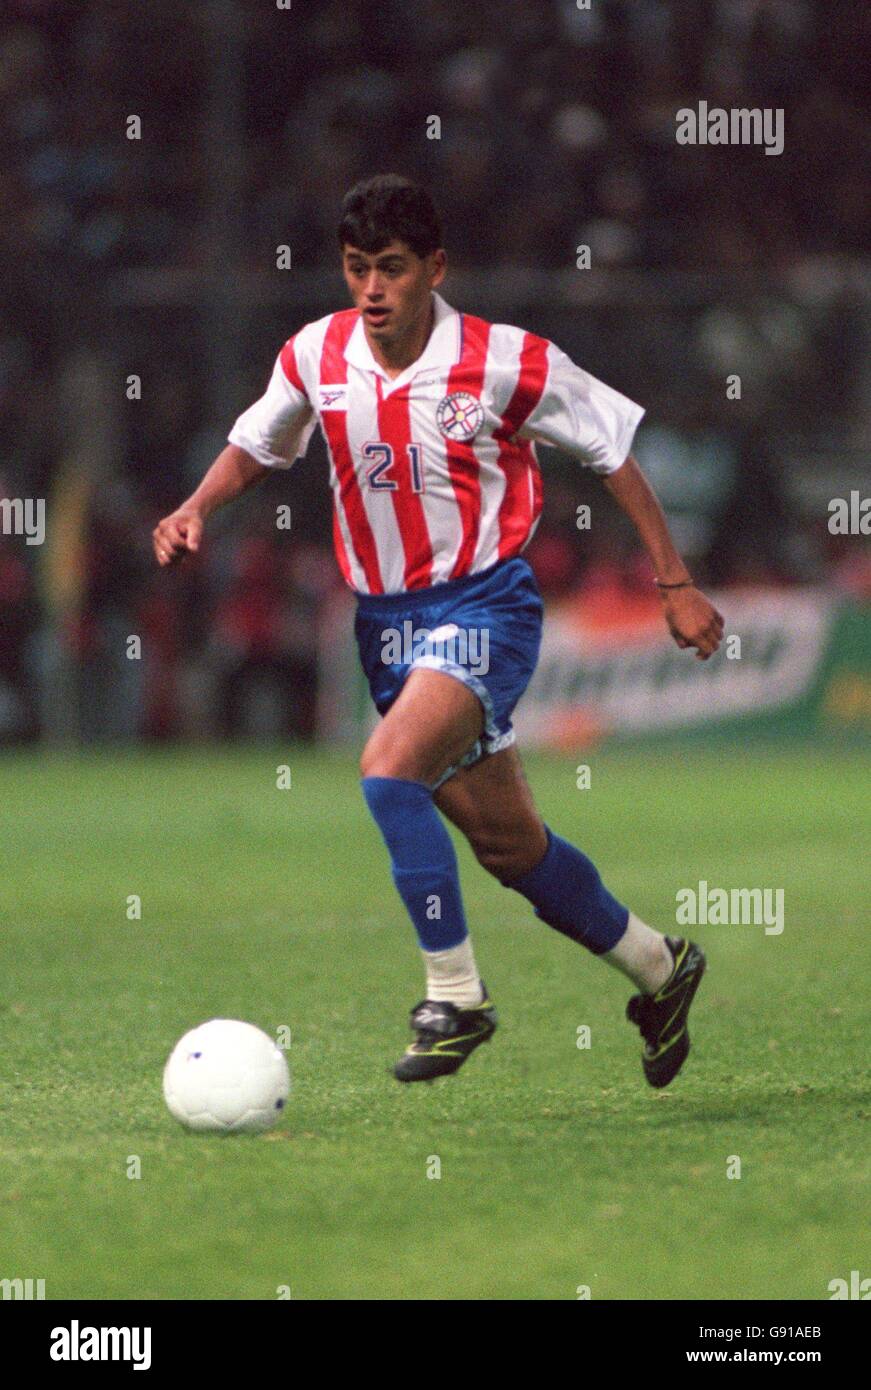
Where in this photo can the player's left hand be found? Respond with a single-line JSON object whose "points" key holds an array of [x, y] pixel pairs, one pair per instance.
{"points": [[693, 621]]}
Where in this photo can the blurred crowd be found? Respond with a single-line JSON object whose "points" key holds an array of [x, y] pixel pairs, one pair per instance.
{"points": [[534, 96], [555, 128]]}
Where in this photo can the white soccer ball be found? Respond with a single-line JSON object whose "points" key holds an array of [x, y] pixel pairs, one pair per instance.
{"points": [[226, 1077]]}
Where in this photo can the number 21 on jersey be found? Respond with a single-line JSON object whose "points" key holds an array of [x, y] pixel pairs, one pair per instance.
{"points": [[383, 458]]}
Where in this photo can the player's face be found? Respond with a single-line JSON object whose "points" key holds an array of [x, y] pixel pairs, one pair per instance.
{"points": [[392, 288]]}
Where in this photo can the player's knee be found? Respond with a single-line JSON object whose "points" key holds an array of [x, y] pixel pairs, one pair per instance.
{"points": [[392, 760], [508, 855], [373, 763]]}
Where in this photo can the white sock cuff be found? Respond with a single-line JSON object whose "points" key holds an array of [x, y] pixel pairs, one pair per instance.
{"points": [[452, 975]]}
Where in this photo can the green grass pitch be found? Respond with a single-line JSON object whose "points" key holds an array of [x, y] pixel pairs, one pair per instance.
{"points": [[560, 1168]]}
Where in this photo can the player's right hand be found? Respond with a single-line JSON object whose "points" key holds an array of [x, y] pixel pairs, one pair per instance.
{"points": [[178, 534]]}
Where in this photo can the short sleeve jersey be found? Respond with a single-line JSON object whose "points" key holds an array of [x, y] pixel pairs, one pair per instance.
{"points": [[434, 473]]}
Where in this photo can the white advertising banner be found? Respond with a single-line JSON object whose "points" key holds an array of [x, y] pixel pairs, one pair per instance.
{"points": [[596, 677]]}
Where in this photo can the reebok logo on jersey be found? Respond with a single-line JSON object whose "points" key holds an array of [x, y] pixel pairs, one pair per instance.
{"points": [[333, 397], [460, 415]]}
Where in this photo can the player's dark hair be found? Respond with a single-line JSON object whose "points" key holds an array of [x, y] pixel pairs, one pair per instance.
{"points": [[389, 208]]}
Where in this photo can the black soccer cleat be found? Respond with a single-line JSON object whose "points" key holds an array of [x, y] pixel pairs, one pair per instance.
{"points": [[662, 1017], [445, 1037]]}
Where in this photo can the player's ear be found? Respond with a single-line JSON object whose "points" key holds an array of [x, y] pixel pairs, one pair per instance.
{"points": [[439, 267]]}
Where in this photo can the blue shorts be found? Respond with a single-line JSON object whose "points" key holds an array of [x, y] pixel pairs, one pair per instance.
{"points": [[484, 630]]}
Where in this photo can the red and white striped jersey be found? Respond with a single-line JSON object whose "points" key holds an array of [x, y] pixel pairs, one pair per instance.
{"points": [[434, 473]]}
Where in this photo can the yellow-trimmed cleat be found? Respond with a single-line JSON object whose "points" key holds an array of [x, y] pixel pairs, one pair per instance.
{"points": [[662, 1017], [444, 1037]]}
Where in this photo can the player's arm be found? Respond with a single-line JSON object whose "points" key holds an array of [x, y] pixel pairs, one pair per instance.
{"points": [[233, 472], [270, 434], [692, 619], [582, 415]]}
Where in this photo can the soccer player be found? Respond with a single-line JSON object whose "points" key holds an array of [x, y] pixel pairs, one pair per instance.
{"points": [[431, 418]]}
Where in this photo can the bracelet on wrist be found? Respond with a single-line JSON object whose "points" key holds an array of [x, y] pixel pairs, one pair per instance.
{"points": [[684, 584]]}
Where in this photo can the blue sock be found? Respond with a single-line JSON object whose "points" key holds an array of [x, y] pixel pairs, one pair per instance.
{"points": [[422, 858], [568, 894]]}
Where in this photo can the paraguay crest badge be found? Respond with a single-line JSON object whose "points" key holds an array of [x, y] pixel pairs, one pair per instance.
{"points": [[460, 415]]}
